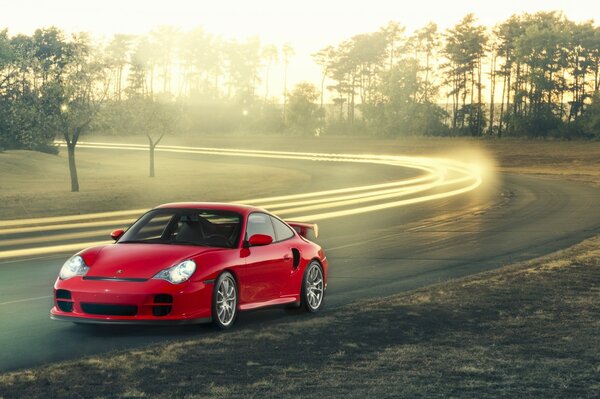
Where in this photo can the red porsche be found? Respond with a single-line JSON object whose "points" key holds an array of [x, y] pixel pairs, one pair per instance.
{"points": [[192, 263]]}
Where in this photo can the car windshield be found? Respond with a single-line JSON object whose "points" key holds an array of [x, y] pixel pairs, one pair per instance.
{"points": [[203, 227]]}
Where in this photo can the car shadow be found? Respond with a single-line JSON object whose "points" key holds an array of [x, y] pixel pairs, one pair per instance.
{"points": [[248, 319]]}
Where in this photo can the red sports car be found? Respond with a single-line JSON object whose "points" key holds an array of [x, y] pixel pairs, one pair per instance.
{"points": [[191, 263]]}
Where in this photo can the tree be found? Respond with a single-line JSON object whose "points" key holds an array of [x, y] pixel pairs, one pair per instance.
{"points": [[465, 49], [117, 58], [591, 118], [288, 52], [139, 66], [394, 35], [244, 62], [402, 109], [505, 35], [6, 73], [580, 59], [6, 59], [368, 55], [158, 123], [304, 115], [324, 58], [75, 85], [540, 84], [271, 55], [342, 70], [164, 41], [426, 42]]}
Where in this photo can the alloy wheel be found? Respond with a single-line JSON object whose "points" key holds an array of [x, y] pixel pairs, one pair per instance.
{"points": [[314, 286], [226, 301]]}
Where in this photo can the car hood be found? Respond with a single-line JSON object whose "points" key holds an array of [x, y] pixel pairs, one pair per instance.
{"points": [[134, 260]]}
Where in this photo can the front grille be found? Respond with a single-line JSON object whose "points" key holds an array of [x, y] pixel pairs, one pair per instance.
{"points": [[109, 310]]}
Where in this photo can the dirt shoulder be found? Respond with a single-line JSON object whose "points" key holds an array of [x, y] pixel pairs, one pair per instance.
{"points": [[525, 330]]}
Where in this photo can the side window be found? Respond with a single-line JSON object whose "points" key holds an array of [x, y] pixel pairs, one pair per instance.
{"points": [[282, 231], [259, 223]]}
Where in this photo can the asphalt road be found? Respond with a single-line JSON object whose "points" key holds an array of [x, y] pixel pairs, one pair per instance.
{"points": [[507, 219]]}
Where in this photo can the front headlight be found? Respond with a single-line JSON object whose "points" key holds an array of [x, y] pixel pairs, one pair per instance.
{"points": [[75, 266], [178, 273]]}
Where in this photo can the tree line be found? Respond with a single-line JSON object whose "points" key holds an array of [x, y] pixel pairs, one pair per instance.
{"points": [[532, 75], [200, 82]]}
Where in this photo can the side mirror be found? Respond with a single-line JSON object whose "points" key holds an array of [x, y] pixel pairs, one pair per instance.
{"points": [[259, 239], [116, 234]]}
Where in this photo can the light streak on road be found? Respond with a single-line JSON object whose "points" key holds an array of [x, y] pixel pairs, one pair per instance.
{"points": [[436, 178]]}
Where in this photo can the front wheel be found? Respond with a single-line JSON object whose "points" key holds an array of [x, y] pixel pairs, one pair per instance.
{"points": [[224, 307], [313, 288]]}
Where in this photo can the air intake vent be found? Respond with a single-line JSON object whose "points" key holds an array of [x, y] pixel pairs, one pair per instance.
{"points": [[296, 254], [163, 298], [109, 310], [65, 306], [63, 294], [162, 310]]}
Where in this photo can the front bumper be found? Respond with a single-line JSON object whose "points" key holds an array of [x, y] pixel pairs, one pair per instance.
{"points": [[161, 322], [125, 302]]}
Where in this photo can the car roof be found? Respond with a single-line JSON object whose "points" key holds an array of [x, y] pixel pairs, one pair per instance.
{"points": [[239, 208]]}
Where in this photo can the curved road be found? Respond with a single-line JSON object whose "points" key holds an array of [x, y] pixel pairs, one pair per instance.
{"points": [[506, 219]]}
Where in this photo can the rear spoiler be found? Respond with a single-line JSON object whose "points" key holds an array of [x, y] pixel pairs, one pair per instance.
{"points": [[303, 228]]}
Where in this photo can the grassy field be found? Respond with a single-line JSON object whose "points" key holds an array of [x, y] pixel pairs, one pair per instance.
{"points": [[574, 160], [527, 330], [35, 184]]}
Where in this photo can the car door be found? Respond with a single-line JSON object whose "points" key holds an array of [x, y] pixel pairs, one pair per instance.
{"points": [[264, 269], [286, 246]]}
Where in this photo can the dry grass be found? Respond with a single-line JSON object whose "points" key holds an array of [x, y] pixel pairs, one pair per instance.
{"points": [[573, 160], [526, 330], [36, 184]]}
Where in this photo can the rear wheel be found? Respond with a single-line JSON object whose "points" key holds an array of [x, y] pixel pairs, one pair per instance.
{"points": [[224, 309], [313, 288]]}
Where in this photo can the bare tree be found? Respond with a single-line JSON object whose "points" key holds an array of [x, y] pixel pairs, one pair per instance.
{"points": [[153, 119]]}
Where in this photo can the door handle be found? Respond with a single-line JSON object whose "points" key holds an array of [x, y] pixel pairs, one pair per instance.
{"points": [[287, 257]]}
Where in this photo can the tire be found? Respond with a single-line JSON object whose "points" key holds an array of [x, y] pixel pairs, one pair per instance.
{"points": [[313, 288], [225, 299]]}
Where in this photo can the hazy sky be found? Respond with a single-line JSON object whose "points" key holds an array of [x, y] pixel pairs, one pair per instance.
{"points": [[308, 24]]}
